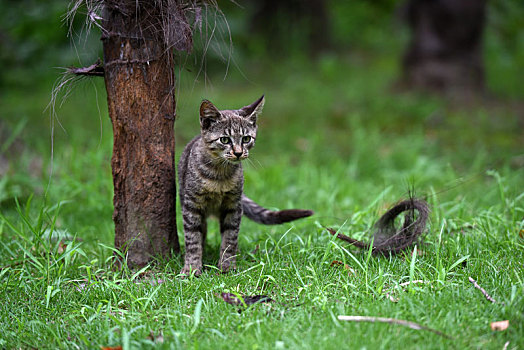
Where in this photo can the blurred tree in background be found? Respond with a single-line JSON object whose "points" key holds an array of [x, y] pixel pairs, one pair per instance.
{"points": [[287, 24], [445, 51], [35, 41], [34, 38]]}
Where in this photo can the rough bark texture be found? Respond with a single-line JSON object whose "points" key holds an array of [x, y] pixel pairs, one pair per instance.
{"points": [[445, 53], [139, 79]]}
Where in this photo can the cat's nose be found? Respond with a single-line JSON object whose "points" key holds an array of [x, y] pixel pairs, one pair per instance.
{"points": [[238, 154], [237, 151]]}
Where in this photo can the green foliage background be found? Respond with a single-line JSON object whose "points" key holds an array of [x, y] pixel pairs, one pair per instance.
{"points": [[336, 136]]}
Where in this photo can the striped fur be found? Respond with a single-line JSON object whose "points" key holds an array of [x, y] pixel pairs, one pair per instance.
{"points": [[211, 182], [268, 217]]}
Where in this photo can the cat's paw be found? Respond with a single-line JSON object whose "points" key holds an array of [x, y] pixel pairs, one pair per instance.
{"points": [[189, 270]]}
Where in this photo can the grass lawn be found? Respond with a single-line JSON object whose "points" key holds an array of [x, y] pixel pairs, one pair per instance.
{"points": [[334, 137]]}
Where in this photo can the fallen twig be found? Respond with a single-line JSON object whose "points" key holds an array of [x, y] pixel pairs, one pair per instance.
{"points": [[404, 323], [403, 284], [476, 285], [413, 282]]}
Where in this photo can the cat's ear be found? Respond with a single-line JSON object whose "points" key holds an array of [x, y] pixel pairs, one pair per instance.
{"points": [[252, 111], [208, 114]]}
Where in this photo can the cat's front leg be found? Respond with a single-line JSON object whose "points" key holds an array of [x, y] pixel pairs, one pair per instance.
{"points": [[194, 233], [229, 227]]}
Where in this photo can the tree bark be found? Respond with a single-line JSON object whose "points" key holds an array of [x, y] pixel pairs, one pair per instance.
{"points": [[139, 78], [445, 53]]}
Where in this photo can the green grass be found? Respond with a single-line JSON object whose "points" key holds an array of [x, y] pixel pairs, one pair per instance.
{"points": [[333, 137]]}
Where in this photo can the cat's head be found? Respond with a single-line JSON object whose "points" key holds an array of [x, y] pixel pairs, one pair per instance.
{"points": [[229, 134]]}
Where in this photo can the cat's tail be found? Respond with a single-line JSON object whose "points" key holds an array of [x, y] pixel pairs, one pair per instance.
{"points": [[269, 217]]}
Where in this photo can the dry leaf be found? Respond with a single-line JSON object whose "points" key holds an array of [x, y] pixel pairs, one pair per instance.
{"points": [[337, 263], [233, 299], [499, 325], [81, 287], [111, 347], [156, 338], [521, 233], [61, 247], [392, 298]]}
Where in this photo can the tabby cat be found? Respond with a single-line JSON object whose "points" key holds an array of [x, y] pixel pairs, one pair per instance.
{"points": [[211, 182]]}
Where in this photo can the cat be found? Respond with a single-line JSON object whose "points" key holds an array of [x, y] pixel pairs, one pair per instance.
{"points": [[211, 182]]}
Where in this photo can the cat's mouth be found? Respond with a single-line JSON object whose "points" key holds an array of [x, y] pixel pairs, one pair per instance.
{"points": [[234, 159]]}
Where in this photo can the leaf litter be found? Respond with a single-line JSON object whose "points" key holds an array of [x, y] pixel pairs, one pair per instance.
{"points": [[244, 300]]}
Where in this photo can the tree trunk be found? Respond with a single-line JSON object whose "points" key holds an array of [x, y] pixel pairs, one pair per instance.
{"points": [[445, 53], [285, 24], [139, 78]]}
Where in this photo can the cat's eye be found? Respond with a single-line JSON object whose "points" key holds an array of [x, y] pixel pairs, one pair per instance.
{"points": [[246, 139], [225, 140]]}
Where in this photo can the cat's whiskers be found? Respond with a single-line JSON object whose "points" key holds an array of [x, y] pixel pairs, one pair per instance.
{"points": [[261, 166], [251, 163]]}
